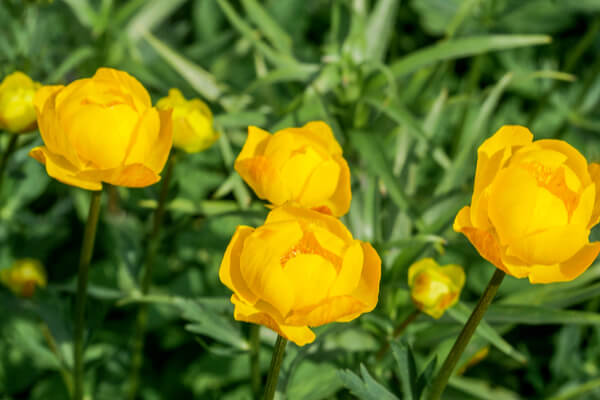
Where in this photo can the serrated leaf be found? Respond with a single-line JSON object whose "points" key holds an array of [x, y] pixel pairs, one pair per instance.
{"points": [[407, 370]]}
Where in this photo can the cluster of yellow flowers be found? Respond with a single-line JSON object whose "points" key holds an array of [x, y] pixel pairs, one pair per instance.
{"points": [[302, 268], [533, 205], [99, 129]]}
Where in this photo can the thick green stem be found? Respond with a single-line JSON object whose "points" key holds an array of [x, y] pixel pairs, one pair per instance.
{"points": [[276, 361], [142, 315], [255, 360], [87, 249], [440, 382], [397, 332], [12, 145]]}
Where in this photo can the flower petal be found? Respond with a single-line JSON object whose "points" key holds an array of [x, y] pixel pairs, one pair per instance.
{"points": [[300, 335], [229, 272], [60, 169], [312, 277]]}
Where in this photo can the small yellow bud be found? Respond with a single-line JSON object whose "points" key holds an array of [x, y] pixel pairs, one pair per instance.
{"points": [[23, 276]]}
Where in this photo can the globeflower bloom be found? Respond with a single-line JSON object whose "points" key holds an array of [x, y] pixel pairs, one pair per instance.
{"points": [[300, 269], [23, 277], [434, 289], [17, 113], [300, 165], [192, 122], [533, 205], [102, 129]]}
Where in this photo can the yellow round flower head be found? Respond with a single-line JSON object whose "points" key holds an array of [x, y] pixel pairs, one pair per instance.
{"points": [[533, 205], [23, 276], [192, 122], [301, 165], [102, 129], [17, 113], [434, 289], [300, 269]]}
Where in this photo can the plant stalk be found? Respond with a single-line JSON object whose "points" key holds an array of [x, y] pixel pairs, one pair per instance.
{"points": [[12, 146], [397, 332], [276, 361], [440, 382], [255, 360], [142, 314], [87, 249]]}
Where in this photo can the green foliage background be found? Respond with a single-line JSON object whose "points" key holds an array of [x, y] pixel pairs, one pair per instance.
{"points": [[410, 88]]}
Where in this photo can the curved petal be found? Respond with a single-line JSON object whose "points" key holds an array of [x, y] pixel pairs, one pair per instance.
{"points": [[508, 136], [310, 217], [350, 274], [321, 133], [568, 270], [43, 94], [594, 170], [255, 144], [332, 309], [133, 175], [300, 335], [575, 160], [60, 169], [128, 83], [553, 245], [367, 291], [418, 267], [151, 140], [229, 272], [312, 276], [321, 185], [300, 169], [266, 181]]}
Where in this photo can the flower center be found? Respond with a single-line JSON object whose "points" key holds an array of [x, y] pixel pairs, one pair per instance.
{"points": [[310, 245], [554, 181]]}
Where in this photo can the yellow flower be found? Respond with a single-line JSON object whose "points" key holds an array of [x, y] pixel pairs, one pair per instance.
{"points": [[300, 269], [17, 113], [192, 122], [102, 129], [302, 165], [434, 289], [533, 205], [23, 276]]}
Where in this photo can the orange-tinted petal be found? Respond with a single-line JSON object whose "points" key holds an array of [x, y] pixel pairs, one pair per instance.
{"points": [[60, 169], [300, 335], [229, 272]]}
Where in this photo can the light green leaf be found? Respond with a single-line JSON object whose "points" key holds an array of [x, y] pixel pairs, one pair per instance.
{"points": [[268, 26], [460, 312], [380, 27], [152, 14], [201, 80], [532, 315]]}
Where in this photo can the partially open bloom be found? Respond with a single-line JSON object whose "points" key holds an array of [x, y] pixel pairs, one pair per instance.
{"points": [[192, 122], [24, 276], [17, 113], [434, 289], [300, 269], [533, 205], [102, 129], [302, 165]]}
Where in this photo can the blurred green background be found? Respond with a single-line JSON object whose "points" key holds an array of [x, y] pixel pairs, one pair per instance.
{"points": [[410, 88]]}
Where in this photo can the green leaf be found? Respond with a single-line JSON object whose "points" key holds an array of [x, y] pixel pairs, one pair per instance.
{"points": [[460, 312], [199, 79], [380, 27], [532, 315], [153, 13], [457, 172], [367, 145], [366, 388], [407, 370], [277, 58], [84, 12], [75, 58], [482, 389], [268, 26]]}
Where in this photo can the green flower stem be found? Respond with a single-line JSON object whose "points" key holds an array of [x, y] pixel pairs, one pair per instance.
{"points": [[273, 377], [12, 146], [87, 249], [440, 382], [64, 372], [255, 360], [397, 332], [142, 315]]}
